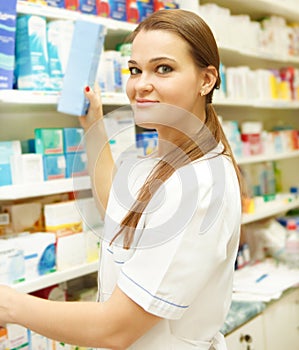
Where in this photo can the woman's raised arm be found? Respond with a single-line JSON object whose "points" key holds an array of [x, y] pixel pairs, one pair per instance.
{"points": [[101, 165]]}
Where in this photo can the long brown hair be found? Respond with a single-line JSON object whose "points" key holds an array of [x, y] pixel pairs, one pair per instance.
{"points": [[203, 48]]}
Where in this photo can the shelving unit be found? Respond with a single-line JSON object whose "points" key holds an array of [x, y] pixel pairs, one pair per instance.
{"points": [[56, 277], [38, 109]]}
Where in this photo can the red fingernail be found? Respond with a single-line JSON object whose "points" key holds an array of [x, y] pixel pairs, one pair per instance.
{"points": [[87, 88]]}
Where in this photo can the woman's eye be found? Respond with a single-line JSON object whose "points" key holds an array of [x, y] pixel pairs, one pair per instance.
{"points": [[164, 69], [134, 70]]}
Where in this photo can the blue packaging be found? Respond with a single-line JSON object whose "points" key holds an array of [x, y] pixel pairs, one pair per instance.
{"points": [[56, 3], [147, 141], [88, 6], [32, 72], [55, 67], [7, 43], [76, 164], [82, 67], [7, 149], [73, 140], [116, 9], [138, 10], [54, 167]]}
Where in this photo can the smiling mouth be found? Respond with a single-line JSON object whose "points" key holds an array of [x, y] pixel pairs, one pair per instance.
{"points": [[145, 103]]}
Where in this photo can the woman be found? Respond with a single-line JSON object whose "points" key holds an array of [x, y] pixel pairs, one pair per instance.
{"points": [[168, 252]]}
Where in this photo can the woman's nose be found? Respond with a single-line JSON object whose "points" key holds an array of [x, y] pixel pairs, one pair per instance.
{"points": [[144, 84]]}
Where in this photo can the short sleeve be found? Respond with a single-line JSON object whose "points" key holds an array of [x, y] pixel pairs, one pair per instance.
{"points": [[184, 242]]}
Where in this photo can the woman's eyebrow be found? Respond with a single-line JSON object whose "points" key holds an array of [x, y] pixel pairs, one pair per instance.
{"points": [[155, 59]]}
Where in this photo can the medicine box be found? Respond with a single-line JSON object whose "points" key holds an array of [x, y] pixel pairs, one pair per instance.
{"points": [[48, 140], [138, 10], [12, 263], [63, 218], [88, 6], [55, 3], [32, 71], [76, 164], [39, 253], [27, 168], [7, 43], [17, 337], [54, 167], [115, 9], [73, 140], [7, 149], [82, 66], [3, 338]]}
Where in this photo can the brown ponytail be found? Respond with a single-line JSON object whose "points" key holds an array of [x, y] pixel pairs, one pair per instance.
{"points": [[203, 48]]}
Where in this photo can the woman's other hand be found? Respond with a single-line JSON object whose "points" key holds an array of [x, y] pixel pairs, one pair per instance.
{"points": [[95, 110]]}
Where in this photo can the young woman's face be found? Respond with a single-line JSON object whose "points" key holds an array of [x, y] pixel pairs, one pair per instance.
{"points": [[163, 71]]}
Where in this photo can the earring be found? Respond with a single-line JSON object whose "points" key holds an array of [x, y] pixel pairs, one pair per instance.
{"points": [[202, 93]]}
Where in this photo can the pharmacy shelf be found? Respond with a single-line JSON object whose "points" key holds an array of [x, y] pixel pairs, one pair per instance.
{"points": [[267, 157], [45, 188], [22, 97], [56, 277], [233, 56], [270, 209], [272, 104], [260, 8], [24, 7]]}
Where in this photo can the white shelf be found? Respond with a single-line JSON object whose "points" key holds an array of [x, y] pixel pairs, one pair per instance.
{"points": [[24, 7], [44, 188], [266, 158], [22, 97], [260, 8], [233, 55], [270, 209], [56, 277], [273, 104]]}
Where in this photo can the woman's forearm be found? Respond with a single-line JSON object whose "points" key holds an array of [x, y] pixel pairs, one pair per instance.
{"points": [[101, 165]]}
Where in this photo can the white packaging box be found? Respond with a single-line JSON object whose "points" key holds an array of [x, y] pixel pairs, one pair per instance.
{"points": [[81, 70], [63, 218], [26, 168], [17, 337], [12, 263], [24, 217], [39, 253], [70, 251]]}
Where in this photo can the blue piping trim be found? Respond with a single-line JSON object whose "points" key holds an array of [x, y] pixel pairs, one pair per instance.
{"points": [[154, 296]]}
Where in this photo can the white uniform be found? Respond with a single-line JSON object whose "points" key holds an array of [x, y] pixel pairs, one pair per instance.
{"points": [[180, 266]]}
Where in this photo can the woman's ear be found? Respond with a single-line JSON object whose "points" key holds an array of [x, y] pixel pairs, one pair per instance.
{"points": [[209, 79]]}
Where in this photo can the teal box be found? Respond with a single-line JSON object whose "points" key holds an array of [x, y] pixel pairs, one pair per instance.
{"points": [[76, 164], [86, 48], [73, 140], [54, 167], [32, 70], [48, 140], [5, 174]]}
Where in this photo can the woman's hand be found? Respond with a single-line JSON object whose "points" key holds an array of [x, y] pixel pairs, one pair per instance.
{"points": [[6, 304], [95, 110]]}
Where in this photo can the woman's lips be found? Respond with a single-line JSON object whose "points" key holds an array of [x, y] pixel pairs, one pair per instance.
{"points": [[145, 102]]}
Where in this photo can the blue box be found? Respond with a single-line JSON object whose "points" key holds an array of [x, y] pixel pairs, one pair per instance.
{"points": [[116, 9], [54, 167], [73, 140], [32, 71], [7, 43], [5, 174], [55, 3], [88, 6], [82, 67], [76, 164]]}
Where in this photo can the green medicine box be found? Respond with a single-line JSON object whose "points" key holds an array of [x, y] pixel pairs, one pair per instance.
{"points": [[48, 140]]}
